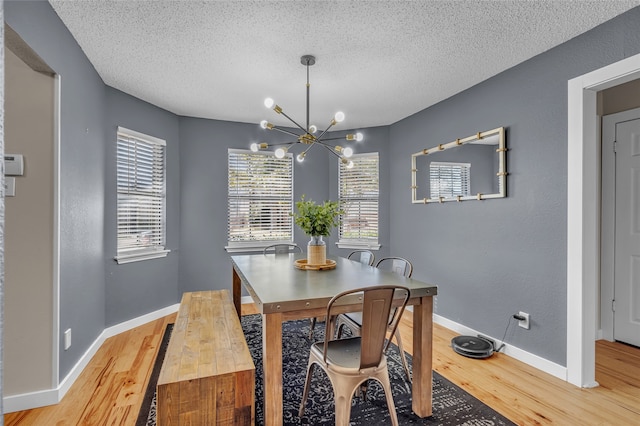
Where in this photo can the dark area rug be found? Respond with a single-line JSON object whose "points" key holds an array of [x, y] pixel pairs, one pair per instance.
{"points": [[147, 415], [451, 404]]}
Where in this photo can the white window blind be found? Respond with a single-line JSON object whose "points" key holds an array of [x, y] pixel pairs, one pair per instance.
{"points": [[260, 197], [141, 196], [448, 180], [358, 193]]}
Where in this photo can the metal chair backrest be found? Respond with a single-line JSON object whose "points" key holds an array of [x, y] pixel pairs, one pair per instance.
{"points": [[282, 248], [363, 256], [399, 265], [377, 302]]}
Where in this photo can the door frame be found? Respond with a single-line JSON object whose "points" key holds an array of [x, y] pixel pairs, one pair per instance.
{"points": [[583, 217], [607, 273], [53, 395]]}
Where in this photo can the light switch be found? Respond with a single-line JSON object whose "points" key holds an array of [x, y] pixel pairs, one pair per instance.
{"points": [[9, 186]]}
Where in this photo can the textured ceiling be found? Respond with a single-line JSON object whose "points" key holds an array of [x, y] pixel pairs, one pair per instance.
{"points": [[378, 61]]}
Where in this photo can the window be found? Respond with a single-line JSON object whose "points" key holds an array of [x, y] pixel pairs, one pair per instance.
{"points": [[260, 197], [141, 196], [448, 180], [358, 190]]}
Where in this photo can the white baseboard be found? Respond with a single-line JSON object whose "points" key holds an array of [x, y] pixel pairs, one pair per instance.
{"points": [[246, 300], [535, 361], [31, 400], [46, 397], [28, 401], [510, 350], [136, 322]]}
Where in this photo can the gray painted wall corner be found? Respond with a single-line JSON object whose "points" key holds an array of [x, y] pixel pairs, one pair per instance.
{"points": [[493, 258], [137, 288]]}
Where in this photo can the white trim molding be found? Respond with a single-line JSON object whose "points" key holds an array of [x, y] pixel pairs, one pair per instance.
{"points": [[357, 245], [583, 219], [55, 320], [509, 350], [46, 397]]}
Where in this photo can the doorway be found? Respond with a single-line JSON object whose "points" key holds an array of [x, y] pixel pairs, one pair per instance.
{"points": [[583, 218], [31, 290], [620, 306]]}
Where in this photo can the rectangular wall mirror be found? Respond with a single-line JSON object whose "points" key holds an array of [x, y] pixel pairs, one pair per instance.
{"points": [[472, 168]]}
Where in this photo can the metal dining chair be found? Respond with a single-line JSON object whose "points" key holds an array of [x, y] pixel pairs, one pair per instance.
{"points": [[353, 320], [363, 256], [352, 361], [282, 248], [399, 265]]}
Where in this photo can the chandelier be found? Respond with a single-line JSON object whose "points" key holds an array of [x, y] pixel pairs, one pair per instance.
{"points": [[306, 135]]}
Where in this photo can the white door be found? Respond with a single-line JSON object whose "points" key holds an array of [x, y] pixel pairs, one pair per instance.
{"points": [[627, 233]]}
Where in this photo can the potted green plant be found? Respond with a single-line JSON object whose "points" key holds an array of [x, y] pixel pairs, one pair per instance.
{"points": [[317, 220]]}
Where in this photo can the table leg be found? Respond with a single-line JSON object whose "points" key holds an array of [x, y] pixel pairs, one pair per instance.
{"points": [[272, 367], [422, 357], [237, 292]]}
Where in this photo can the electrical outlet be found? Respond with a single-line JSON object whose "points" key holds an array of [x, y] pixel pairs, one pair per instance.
{"points": [[525, 322], [67, 339]]}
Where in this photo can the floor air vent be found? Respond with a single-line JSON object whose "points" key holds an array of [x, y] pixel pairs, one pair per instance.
{"points": [[472, 347]]}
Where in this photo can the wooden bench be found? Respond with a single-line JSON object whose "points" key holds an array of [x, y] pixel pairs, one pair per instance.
{"points": [[208, 376]]}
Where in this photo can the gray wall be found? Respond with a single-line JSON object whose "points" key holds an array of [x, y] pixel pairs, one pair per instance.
{"points": [[489, 259], [82, 174], [620, 98], [493, 258], [137, 288], [204, 263]]}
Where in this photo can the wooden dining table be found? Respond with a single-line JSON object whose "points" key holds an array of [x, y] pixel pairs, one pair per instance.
{"points": [[282, 292]]}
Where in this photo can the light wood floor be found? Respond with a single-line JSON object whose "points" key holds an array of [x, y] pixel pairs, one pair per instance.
{"points": [[111, 388]]}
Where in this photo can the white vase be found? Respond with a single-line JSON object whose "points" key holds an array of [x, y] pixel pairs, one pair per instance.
{"points": [[316, 251]]}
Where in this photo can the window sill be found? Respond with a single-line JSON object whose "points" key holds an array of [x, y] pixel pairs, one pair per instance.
{"points": [[357, 245], [137, 257], [251, 247]]}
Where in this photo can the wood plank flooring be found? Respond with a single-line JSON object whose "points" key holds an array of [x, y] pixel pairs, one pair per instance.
{"points": [[111, 388]]}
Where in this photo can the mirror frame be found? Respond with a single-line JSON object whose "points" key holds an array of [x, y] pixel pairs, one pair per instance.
{"points": [[502, 173]]}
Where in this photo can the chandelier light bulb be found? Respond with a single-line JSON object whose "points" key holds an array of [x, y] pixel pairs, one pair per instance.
{"points": [[310, 133], [280, 152], [346, 162]]}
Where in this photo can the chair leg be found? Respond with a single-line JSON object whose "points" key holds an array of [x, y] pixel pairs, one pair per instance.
{"points": [[343, 411], [307, 382], [343, 391], [405, 364], [386, 385], [334, 326], [313, 325]]}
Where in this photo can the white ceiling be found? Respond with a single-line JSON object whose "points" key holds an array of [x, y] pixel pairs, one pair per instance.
{"points": [[378, 61]]}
